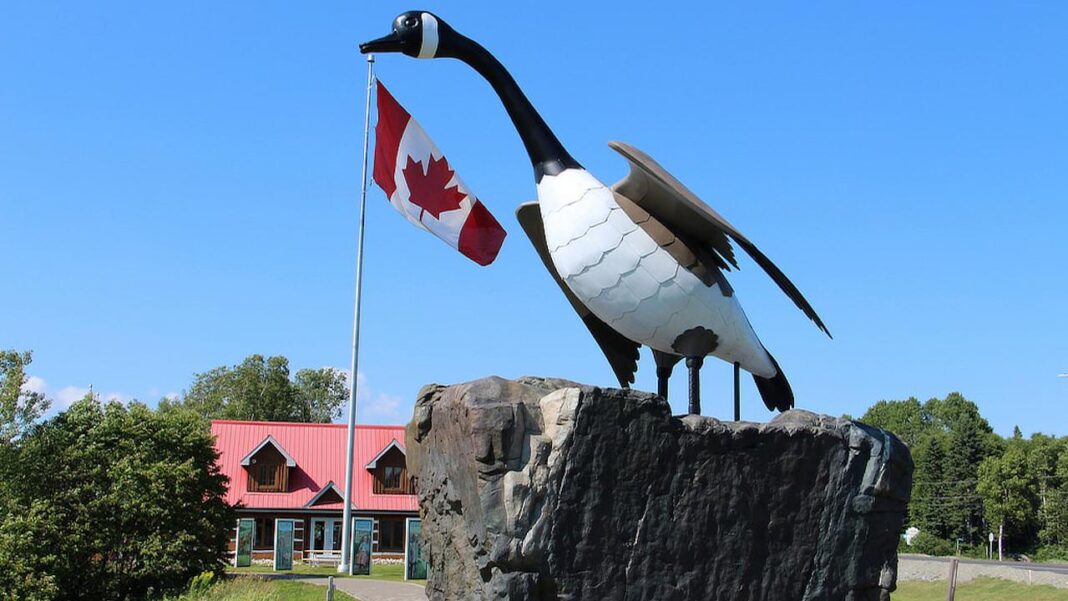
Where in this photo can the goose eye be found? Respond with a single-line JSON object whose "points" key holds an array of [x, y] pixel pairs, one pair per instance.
{"points": [[409, 22]]}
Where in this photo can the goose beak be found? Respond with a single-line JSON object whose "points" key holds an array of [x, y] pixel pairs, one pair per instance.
{"points": [[388, 43]]}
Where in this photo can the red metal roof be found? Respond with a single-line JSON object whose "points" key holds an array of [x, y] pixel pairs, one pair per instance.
{"points": [[319, 450]]}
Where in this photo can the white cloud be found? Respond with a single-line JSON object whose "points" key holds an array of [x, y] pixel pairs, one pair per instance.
{"points": [[373, 406], [63, 398], [382, 408], [35, 384]]}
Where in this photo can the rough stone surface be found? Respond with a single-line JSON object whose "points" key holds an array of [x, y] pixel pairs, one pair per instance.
{"points": [[546, 489]]}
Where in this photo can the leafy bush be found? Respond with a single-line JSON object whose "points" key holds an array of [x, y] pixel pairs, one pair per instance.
{"points": [[1051, 553], [134, 495], [929, 544], [201, 584], [974, 551]]}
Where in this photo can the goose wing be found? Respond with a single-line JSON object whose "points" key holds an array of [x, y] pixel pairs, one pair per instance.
{"points": [[656, 191], [621, 352]]}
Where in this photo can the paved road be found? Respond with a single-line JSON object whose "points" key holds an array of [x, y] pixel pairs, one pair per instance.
{"points": [[374, 590], [1022, 565]]}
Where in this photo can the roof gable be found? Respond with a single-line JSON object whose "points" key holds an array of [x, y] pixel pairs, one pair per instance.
{"points": [[392, 445], [247, 460], [328, 494]]}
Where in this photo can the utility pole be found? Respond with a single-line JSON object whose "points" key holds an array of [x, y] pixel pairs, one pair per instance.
{"points": [[1001, 535]]}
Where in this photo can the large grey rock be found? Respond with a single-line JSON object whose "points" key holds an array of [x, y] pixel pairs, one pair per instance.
{"points": [[546, 489]]}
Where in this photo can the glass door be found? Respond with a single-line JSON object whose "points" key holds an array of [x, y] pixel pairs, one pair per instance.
{"points": [[326, 535], [335, 539]]}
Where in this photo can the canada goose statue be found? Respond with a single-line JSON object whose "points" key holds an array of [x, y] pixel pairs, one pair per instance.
{"points": [[643, 261]]}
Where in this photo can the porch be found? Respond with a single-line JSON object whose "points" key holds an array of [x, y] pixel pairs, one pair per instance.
{"points": [[317, 538]]}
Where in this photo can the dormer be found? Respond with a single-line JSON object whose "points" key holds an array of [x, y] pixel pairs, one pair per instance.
{"points": [[268, 467], [390, 471], [327, 495]]}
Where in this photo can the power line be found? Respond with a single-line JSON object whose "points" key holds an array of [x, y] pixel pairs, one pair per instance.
{"points": [[949, 497]]}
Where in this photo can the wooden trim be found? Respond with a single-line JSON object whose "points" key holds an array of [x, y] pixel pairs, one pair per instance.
{"points": [[392, 445], [247, 459], [329, 486]]}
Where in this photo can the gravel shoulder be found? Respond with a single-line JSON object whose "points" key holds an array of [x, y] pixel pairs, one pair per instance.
{"points": [[922, 567]]}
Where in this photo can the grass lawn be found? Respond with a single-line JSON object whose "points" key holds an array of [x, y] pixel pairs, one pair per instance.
{"points": [[247, 589], [980, 589], [385, 571]]}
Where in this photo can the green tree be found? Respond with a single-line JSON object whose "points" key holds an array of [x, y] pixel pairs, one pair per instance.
{"points": [[1009, 491], [19, 407], [1055, 522], [135, 495], [261, 389], [949, 439], [1043, 455], [24, 570], [906, 419], [927, 507], [970, 440], [321, 392]]}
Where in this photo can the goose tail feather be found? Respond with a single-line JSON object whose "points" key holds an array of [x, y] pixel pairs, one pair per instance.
{"points": [[775, 391]]}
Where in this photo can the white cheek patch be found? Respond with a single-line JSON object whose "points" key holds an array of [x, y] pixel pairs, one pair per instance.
{"points": [[429, 46]]}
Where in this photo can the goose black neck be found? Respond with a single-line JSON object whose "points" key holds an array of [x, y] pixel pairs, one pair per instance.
{"points": [[547, 154]]}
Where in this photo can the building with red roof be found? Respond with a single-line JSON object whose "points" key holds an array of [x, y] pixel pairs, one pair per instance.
{"points": [[281, 470]]}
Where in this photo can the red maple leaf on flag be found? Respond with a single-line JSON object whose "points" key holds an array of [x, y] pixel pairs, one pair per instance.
{"points": [[428, 189]]}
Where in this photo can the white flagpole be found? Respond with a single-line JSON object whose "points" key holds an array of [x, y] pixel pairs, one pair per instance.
{"points": [[346, 525]]}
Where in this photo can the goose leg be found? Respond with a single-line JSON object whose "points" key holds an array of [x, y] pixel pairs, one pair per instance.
{"points": [[662, 376], [694, 365], [665, 364], [737, 393]]}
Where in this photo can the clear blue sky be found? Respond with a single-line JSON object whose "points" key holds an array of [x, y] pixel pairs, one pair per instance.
{"points": [[178, 189]]}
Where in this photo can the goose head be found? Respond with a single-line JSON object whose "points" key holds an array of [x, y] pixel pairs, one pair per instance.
{"points": [[420, 34], [416, 33]]}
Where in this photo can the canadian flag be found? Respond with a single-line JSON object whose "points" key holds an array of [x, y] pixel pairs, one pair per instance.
{"points": [[420, 184]]}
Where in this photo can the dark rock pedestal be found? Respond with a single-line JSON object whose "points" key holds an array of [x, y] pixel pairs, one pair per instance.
{"points": [[546, 489]]}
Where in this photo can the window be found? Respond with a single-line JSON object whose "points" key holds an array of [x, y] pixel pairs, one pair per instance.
{"points": [[264, 534], [265, 474], [268, 477], [391, 478], [391, 535]]}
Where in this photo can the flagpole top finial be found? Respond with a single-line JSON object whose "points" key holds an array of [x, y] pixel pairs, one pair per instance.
{"points": [[370, 58]]}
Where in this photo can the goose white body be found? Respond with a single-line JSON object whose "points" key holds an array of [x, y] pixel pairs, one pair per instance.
{"points": [[620, 273]]}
